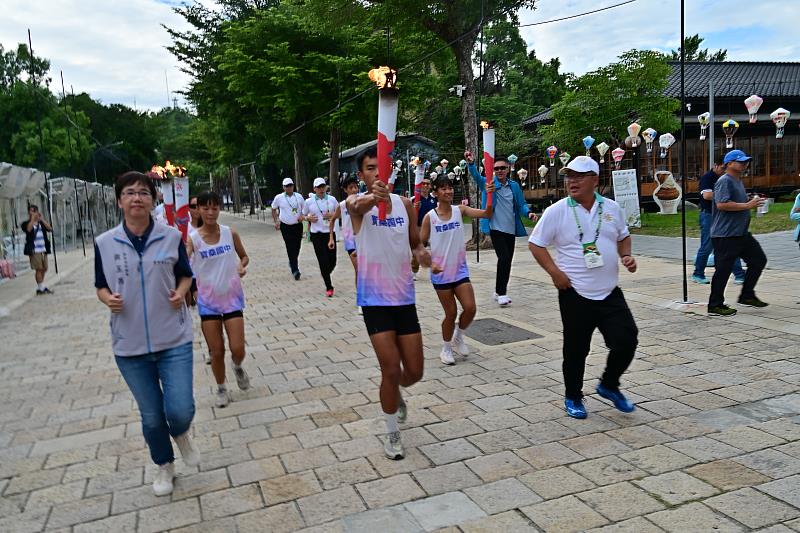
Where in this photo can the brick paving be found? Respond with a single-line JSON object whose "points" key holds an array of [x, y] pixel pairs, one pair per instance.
{"points": [[714, 443]]}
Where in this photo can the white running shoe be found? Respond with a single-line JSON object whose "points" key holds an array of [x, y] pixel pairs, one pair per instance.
{"points": [[162, 484], [360, 311], [447, 355], [503, 301], [222, 398], [242, 379], [460, 345], [393, 448], [494, 296], [190, 454]]}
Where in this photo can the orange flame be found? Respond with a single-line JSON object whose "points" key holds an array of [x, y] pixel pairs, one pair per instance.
{"points": [[159, 171], [486, 125], [384, 77], [175, 170]]}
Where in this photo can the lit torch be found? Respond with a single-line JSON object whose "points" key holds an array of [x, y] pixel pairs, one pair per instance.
{"points": [[386, 80], [488, 155]]}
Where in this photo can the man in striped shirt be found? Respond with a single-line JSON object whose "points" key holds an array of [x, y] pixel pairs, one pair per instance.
{"points": [[37, 246]]}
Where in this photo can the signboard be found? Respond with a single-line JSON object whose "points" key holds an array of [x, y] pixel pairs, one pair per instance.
{"points": [[626, 194]]}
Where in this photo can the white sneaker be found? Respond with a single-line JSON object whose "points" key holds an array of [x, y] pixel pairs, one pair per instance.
{"points": [[360, 311], [222, 398], [190, 454], [162, 484], [447, 355], [242, 379], [460, 345], [503, 301], [415, 276], [392, 447]]}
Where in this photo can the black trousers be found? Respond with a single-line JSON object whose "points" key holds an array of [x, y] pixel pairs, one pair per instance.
{"points": [[580, 316], [292, 237], [726, 250], [325, 256], [504, 248]]}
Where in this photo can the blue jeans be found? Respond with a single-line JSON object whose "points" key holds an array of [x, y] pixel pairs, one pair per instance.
{"points": [[161, 383], [705, 249]]}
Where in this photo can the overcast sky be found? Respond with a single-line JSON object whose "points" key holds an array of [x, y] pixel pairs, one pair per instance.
{"points": [[115, 50]]}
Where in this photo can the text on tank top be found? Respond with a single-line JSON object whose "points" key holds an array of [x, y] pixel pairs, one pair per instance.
{"points": [[448, 250], [384, 258], [215, 267]]}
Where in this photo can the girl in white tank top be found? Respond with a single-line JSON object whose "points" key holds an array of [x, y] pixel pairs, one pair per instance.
{"points": [[443, 229], [219, 261]]}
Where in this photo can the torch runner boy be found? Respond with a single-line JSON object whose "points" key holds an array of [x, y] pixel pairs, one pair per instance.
{"points": [[385, 291]]}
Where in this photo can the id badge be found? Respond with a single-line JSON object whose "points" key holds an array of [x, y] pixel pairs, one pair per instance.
{"points": [[591, 256]]}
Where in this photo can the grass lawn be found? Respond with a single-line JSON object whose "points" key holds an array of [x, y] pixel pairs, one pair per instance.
{"points": [[670, 225]]}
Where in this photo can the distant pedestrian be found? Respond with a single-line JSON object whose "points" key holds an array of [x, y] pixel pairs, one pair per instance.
{"points": [[427, 201], [287, 214], [319, 209], [589, 234], [731, 237], [443, 227], [219, 261], [506, 222], [37, 246], [705, 250], [350, 187], [194, 214], [142, 275]]}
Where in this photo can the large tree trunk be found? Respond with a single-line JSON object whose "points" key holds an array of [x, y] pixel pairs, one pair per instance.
{"points": [[301, 177], [463, 52], [333, 171]]}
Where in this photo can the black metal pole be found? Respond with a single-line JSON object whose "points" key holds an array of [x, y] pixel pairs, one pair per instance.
{"points": [[88, 211], [683, 157], [42, 155]]}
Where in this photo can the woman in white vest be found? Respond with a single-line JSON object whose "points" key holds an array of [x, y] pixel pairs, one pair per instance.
{"points": [[219, 261], [443, 228], [142, 274]]}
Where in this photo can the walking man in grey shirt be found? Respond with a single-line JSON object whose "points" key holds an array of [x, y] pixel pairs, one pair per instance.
{"points": [[731, 237]]}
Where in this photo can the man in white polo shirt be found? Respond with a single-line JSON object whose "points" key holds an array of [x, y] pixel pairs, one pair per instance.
{"points": [[287, 213], [589, 233]]}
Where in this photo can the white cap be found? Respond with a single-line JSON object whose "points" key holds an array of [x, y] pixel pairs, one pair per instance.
{"points": [[319, 182], [287, 181], [584, 163]]}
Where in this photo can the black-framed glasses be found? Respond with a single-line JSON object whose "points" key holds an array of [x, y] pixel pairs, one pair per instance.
{"points": [[501, 168], [140, 194]]}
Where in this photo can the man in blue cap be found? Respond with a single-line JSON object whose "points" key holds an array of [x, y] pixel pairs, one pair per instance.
{"points": [[731, 238]]}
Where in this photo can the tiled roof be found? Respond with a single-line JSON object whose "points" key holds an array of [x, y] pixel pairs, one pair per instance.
{"points": [[735, 79], [541, 116]]}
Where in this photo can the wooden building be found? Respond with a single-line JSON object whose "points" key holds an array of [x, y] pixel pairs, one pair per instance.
{"points": [[775, 168]]}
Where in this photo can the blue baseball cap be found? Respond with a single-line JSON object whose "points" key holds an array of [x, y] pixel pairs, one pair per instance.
{"points": [[736, 155]]}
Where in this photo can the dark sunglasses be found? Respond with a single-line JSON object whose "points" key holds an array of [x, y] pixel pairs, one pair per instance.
{"points": [[501, 168], [192, 206]]}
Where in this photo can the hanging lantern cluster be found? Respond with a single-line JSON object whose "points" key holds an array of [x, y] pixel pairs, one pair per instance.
{"points": [[753, 103]]}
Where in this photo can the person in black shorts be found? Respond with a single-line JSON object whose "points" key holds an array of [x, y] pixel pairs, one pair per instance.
{"points": [[385, 291], [443, 228]]}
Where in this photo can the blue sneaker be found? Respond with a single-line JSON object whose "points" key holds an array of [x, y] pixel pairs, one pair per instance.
{"points": [[738, 281], [575, 408], [619, 399], [700, 280]]}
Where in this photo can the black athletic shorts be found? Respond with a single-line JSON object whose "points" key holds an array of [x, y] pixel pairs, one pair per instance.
{"points": [[351, 251], [223, 317], [451, 285], [401, 319]]}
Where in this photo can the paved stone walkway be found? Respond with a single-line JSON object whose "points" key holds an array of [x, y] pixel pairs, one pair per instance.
{"points": [[714, 444]]}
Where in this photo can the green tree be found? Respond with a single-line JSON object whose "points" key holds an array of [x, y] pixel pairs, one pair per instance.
{"points": [[602, 103], [695, 53]]}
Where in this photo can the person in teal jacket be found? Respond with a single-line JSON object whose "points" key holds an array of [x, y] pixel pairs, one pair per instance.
{"points": [[795, 215], [506, 221]]}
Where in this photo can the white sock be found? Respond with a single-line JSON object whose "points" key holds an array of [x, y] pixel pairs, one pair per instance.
{"points": [[237, 367], [447, 344], [222, 387], [459, 333], [391, 422], [40, 286]]}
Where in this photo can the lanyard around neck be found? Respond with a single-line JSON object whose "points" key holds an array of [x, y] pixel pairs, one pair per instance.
{"points": [[325, 199], [599, 199], [290, 203]]}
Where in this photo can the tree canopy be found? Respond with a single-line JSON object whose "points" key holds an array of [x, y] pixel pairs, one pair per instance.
{"points": [[693, 52]]}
